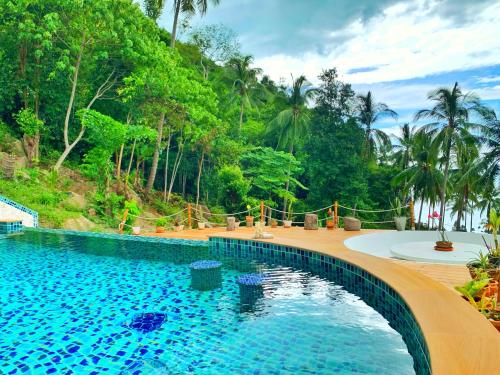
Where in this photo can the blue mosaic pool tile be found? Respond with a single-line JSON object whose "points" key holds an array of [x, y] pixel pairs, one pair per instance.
{"points": [[82, 349], [10, 227], [372, 290], [31, 212]]}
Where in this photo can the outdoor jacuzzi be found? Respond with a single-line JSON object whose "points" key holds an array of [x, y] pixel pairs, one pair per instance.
{"points": [[419, 245]]}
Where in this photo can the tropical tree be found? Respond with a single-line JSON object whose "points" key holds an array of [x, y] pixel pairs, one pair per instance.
{"points": [[368, 112], [153, 8], [423, 177], [465, 180], [292, 122], [188, 7], [451, 117], [404, 146], [245, 82], [217, 44]]}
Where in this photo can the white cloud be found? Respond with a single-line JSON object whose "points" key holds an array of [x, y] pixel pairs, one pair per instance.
{"points": [[405, 41], [487, 93], [488, 79], [399, 96]]}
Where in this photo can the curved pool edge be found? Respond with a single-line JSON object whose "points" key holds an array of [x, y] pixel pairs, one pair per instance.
{"points": [[459, 340]]}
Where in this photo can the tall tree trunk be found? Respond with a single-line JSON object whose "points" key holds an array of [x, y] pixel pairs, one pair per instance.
{"points": [[156, 155], [177, 5], [200, 169], [420, 212], [433, 209], [67, 146], [165, 175], [177, 163], [118, 171], [442, 192], [137, 172], [471, 215], [460, 213], [184, 181], [429, 216], [287, 186], [130, 164], [241, 116]]}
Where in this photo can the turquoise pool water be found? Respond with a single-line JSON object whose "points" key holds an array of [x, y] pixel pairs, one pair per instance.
{"points": [[68, 305]]}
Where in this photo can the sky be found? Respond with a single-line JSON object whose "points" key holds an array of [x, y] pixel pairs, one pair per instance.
{"points": [[400, 50]]}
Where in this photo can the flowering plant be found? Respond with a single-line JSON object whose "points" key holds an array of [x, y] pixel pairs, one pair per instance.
{"points": [[442, 235]]}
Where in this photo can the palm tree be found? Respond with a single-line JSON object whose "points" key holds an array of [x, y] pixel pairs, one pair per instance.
{"points": [[190, 7], [423, 176], [465, 179], [368, 113], [451, 114], [245, 82], [292, 122], [153, 8], [404, 146]]}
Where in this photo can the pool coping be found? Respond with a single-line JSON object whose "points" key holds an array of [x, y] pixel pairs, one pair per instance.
{"points": [[459, 339]]}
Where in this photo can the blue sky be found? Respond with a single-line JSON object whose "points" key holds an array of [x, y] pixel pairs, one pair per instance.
{"points": [[400, 50]]}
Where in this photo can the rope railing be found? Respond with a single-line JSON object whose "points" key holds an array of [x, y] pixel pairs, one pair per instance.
{"points": [[373, 211], [231, 214], [273, 218], [264, 215], [158, 217], [300, 213], [377, 222]]}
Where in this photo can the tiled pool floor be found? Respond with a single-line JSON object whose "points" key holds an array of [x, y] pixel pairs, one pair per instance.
{"points": [[62, 311]]}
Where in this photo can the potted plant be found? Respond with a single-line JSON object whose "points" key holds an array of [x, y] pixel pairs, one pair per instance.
{"points": [[200, 220], [478, 265], [473, 288], [399, 219], [289, 216], [494, 318], [136, 231], [274, 223], [178, 224], [443, 244], [491, 289], [249, 217], [494, 249], [330, 223], [160, 225]]}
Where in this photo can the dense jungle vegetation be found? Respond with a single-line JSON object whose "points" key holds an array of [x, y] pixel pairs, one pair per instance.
{"points": [[98, 88]]}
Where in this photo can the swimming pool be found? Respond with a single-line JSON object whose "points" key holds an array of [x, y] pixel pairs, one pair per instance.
{"points": [[69, 303]]}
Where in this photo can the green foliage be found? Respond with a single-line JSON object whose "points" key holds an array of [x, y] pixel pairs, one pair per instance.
{"points": [[269, 170], [232, 188], [161, 222], [107, 204], [200, 121], [472, 288], [28, 122]]}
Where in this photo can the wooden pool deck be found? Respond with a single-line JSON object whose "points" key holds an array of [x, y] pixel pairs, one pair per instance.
{"points": [[459, 339], [449, 275]]}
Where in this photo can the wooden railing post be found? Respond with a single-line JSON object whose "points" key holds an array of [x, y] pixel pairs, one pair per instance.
{"points": [[261, 211], [189, 216], [122, 224], [336, 214], [412, 215]]}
